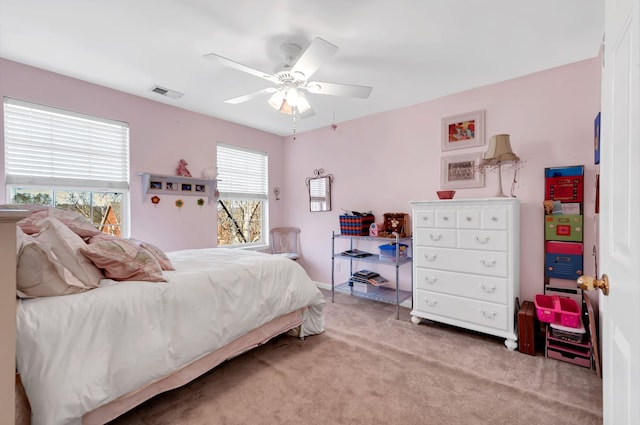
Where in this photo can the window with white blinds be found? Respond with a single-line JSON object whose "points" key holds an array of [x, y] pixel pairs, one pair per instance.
{"points": [[242, 173], [51, 147]]}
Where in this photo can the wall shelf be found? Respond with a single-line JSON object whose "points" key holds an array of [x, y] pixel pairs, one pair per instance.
{"points": [[157, 184]]}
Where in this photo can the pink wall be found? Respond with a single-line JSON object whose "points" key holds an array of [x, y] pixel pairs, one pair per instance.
{"points": [[160, 135], [383, 162], [380, 163]]}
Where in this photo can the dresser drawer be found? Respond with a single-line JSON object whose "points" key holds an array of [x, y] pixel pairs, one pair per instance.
{"points": [[464, 309], [490, 263], [446, 219], [424, 218], [489, 240], [436, 237], [492, 289], [494, 219], [469, 219]]}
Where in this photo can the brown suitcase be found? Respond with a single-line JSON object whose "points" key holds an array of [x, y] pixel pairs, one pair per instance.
{"points": [[527, 328]]}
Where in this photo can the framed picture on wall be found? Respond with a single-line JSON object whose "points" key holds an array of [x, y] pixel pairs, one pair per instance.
{"points": [[461, 171], [463, 131]]}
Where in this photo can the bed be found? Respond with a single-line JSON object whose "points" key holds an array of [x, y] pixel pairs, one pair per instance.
{"points": [[89, 356]]}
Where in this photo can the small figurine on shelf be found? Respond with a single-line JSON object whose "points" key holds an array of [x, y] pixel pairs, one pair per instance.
{"points": [[181, 170]]}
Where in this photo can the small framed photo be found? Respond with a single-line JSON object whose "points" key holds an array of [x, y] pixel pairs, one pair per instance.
{"points": [[155, 185], [199, 188], [186, 187], [171, 186], [463, 131], [461, 171]]}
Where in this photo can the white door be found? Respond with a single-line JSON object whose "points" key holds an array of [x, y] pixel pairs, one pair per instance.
{"points": [[620, 214]]}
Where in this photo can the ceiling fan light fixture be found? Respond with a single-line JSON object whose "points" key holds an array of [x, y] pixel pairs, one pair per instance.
{"points": [[303, 104], [276, 99], [285, 108], [292, 96]]}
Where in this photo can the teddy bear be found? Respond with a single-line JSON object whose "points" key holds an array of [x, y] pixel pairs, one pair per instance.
{"points": [[181, 170]]}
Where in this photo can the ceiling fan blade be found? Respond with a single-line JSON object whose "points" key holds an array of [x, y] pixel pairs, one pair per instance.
{"points": [[314, 55], [250, 96], [240, 67], [334, 89]]}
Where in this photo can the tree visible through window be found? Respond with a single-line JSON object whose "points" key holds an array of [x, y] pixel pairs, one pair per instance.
{"points": [[242, 183]]}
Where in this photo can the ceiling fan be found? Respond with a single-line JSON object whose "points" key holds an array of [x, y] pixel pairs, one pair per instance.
{"points": [[293, 79]]}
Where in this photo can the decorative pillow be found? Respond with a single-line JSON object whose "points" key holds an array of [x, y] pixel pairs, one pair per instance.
{"points": [[39, 273], [74, 221], [123, 259], [158, 254], [66, 246]]}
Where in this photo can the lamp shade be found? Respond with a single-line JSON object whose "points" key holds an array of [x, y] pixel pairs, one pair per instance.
{"points": [[499, 150]]}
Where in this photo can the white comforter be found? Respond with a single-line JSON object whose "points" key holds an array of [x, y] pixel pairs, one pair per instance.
{"points": [[78, 352]]}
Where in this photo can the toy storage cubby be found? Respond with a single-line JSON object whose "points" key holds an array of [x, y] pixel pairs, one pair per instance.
{"points": [[563, 257]]}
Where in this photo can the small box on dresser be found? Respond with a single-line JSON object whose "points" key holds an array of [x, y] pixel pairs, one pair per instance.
{"points": [[466, 264]]}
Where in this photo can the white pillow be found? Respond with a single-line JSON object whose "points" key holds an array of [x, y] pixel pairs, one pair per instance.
{"points": [[66, 246], [39, 273]]}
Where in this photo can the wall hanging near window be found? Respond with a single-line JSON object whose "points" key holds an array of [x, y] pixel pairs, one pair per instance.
{"points": [[319, 191]]}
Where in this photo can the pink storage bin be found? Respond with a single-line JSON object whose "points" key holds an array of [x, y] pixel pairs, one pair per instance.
{"points": [[561, 310], [569, 312], [545, 308]]}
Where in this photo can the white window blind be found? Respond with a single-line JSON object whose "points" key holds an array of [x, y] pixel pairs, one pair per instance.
{"points": [[242, 173], [52, 147]]}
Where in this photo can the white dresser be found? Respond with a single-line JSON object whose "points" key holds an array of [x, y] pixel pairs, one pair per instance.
{"points": [[466, 266]]}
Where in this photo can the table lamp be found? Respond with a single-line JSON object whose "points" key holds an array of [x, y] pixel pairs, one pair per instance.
{"points": [[499, 151]]}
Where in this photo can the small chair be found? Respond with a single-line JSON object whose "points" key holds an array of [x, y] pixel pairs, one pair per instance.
{"points": [[284, 242]]}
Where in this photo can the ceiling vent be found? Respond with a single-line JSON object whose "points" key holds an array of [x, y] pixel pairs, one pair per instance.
{"points": [[166, 92]]}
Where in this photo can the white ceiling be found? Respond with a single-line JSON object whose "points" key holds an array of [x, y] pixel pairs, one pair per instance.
{"points": [[409, 51]]}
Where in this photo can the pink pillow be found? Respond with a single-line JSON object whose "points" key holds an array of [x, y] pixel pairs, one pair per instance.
{"points": [[74, 221], [66, 246], [123, 259], [158, 254], [39, 273]]}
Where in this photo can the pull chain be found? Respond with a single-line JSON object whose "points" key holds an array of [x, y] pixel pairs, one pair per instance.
{"points": [[294, 123]]}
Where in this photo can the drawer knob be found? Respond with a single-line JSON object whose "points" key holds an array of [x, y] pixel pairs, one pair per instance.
{"points": [[445, 218], [469, 218], [430, 257], [488, 263], [424, 218], [488, 314], [430, 280], [481, 240], [494, 218], [435, 237], [430, 303], [487, 289]]}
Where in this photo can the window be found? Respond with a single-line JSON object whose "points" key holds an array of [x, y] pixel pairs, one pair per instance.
{"points": [[67, 160], [242, 205]]}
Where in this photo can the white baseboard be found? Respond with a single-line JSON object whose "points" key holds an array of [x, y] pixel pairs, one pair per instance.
{"points": [[327, 286]]}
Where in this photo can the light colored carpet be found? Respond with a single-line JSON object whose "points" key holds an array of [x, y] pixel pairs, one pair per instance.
{"points": [[368, 368]]}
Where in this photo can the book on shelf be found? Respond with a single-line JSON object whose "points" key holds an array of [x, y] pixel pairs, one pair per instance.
{"points": [[356, 253], [377, 280], [367, 277], [365, 274]]}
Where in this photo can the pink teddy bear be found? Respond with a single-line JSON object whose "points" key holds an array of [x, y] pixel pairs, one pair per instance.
{"points": [[181, 170]]}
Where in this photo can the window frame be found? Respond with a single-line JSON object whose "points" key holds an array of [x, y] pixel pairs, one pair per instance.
{"points": [[31, 129], [243, 194]]}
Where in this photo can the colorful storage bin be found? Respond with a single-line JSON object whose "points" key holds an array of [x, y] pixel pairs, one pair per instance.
{"points": [[563, 260], [563, 228], [356, 225]]}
